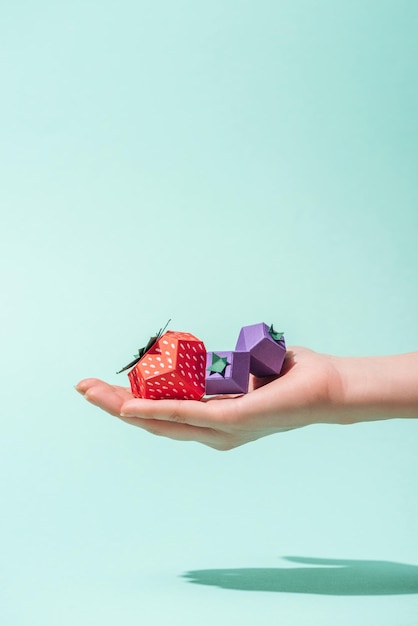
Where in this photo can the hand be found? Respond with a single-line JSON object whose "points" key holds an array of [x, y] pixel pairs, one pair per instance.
{"points": [[308, 391]]}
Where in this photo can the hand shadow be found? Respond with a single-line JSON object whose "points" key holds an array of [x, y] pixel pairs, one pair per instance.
{"points": [[331, 577]]}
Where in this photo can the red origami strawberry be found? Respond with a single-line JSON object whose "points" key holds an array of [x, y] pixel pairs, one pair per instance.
{"points": [[173, 367]]}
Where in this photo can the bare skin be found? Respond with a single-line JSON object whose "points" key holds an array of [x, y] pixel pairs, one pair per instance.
{"points": [[313, 388]]}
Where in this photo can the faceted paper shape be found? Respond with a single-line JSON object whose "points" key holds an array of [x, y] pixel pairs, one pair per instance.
{"points": [[174, 367], [266, 354], [234, 374]]}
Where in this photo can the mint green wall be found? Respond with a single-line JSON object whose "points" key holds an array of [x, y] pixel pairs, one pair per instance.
{"points": [[219, 163]]}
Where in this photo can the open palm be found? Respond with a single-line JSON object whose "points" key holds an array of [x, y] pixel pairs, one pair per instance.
{"points": [[303, 394]]}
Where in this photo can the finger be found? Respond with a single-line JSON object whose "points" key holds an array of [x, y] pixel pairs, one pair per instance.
{"points": [[86, 383], [179, 432], [123, 393], [202, 414], [84, 386], [109, 399], [105, 397]]}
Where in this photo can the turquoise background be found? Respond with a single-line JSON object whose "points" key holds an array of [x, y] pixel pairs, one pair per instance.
{"points": [[220, 163]]}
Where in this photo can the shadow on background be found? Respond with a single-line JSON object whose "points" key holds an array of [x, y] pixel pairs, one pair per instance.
{"points": [[333, 577]]}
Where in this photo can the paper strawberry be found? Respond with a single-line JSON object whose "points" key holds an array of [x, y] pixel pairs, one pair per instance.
{"points": [[173, 367]]}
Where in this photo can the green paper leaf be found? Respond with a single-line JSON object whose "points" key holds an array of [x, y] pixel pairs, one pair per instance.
{"points": [[144, 350], [218, 365], [275, 335]]}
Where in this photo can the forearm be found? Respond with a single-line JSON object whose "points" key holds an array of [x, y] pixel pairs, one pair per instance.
{"points": [[378, 387]]}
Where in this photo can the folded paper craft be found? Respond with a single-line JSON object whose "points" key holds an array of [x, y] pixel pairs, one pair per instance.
{"points": [[267, 348], [174, 367], [227, 372], [175, 364]]}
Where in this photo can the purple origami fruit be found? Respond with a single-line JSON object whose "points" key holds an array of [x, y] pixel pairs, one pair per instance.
{"points": [[267, 348], [227, 372]]}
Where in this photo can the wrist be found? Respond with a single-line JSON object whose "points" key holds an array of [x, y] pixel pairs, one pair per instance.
{"points": [[374, 388]]}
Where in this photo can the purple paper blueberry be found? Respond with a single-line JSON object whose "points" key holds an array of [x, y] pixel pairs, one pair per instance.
{"points": [[267, 348], [227, 372]]}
